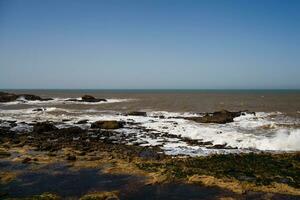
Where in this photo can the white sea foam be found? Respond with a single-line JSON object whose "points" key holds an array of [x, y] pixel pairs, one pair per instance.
{"points": [[57, 101], [245, 133]]}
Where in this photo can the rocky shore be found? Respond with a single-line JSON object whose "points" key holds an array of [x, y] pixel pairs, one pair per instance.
{"points": [[103, 147], [122, 145]]}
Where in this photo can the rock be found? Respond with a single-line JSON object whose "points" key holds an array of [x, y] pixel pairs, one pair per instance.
{"points": [[4, 154], [8, 97], [26, 160], [219, 117], [137, 113], [44, 127], [38, 109], [84, 121], [74, 130], [71, 158], [101, 196], [149, 154], [112, 124], [46, 196], [89, 98]]}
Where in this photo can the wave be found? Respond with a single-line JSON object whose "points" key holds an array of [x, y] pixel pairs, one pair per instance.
{"points": [[57, 101]]}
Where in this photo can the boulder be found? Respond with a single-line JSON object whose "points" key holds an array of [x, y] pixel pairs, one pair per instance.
{"points": [[89, 98], [219, 117], [44, 127], [7, 97], [111, 124]]}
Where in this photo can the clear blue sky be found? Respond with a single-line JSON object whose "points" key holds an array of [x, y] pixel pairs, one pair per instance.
{"points": [[222, 44]]}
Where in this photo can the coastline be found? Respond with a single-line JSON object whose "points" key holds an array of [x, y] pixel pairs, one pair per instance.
{"points": [[142, 148]]}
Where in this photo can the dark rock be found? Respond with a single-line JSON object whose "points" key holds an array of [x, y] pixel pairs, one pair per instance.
{"points": [[84, 121], [112, 124], [137, 113], [4, 154], [8, 97], [26, 160], [219, 117], [71, 157], [89, 98], [218, 146], [38, 109], [43, 127], [149, 154], [74, 130]]}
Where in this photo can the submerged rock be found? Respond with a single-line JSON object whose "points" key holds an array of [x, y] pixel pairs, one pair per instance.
{"points": [[111, 124], [219, 117]]}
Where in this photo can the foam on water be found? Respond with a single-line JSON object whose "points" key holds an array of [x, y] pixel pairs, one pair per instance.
{"points": [[58, 101], [246, 133]]}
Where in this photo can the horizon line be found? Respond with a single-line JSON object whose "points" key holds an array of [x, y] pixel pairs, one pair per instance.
{"points": [[149, 89]]}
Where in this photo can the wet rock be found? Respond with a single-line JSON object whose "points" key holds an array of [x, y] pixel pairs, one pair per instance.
{"points": [[87, 98], [4, 154], [46, 196], [71, 158], [8, 97], [38, 109], [149, 154], [218, 146], [112, 124], [137, 113], [44, 127], [26, 160], [70, 131], [84, 121], [101, 196], [219, 117]]}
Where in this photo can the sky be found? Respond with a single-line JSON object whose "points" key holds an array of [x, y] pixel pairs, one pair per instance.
{"points": [[166, 44]]}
